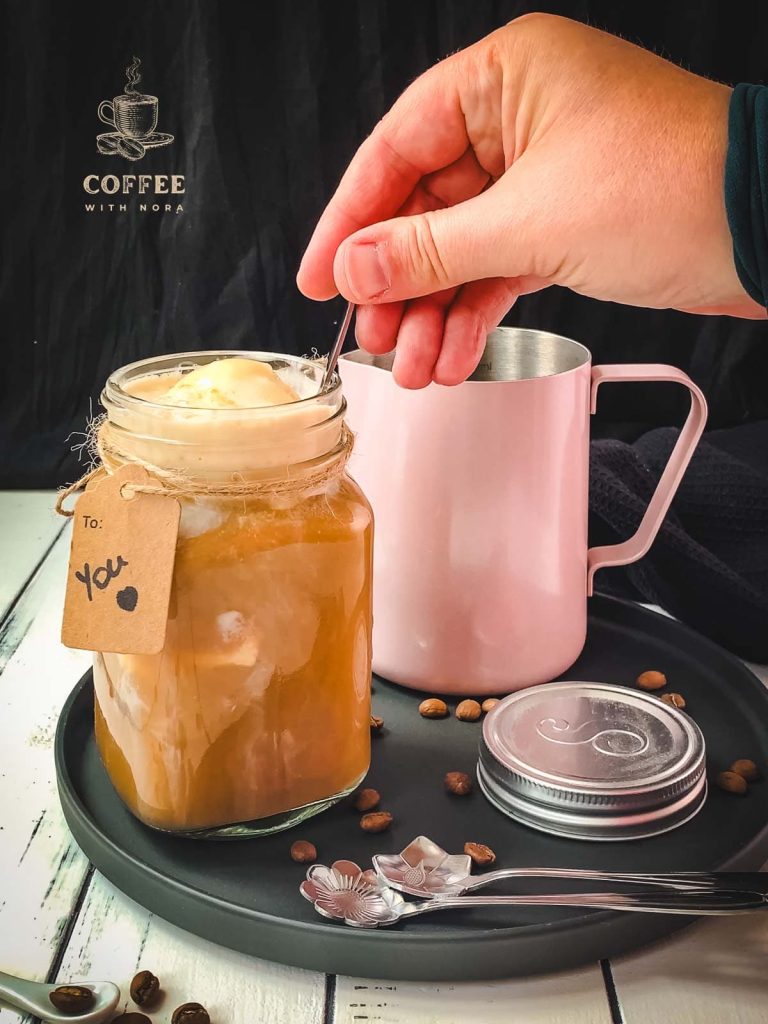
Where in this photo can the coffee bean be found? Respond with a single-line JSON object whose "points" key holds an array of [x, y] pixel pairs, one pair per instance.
{"points": [[377, 724], [480, 854], [731, 782], [131, 1017], [675, 700], [468, 711], [303, 852], [376, 821], [145, 988], [190, 1013], [433, 707], [130, 149], [651, 680], [366, 800], [746, 769], [108, 146], [72, 999], [489, 704], [458, 783]]}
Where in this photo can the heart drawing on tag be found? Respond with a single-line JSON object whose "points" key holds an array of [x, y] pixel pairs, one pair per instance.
{"points": [[127, 598]]}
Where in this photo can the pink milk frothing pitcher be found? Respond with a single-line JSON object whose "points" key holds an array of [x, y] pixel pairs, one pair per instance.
{"points": [[479, 492]]}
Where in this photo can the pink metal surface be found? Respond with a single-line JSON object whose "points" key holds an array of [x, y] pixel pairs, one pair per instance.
{"points": [[481, 567]]}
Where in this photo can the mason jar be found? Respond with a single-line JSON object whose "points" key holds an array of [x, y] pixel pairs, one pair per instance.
{"points": [[256, 713]]}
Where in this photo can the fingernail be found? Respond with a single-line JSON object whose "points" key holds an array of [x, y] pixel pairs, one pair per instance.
{"points": [[365, 270]]}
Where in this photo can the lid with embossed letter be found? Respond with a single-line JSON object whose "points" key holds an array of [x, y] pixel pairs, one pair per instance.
{"points": [[592, 761]]}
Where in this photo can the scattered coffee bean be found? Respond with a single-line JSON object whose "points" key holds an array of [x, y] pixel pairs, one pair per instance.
{"points": [[433, 707], [676, 700], [377, 724], [145, 988], [190, 1013], [746, 769], [366, 800], [131, 1017], [731, 782], [130, 149], [651, 680], [72, 999], [458, 783], [489, 704], [108, 146], [303, 852], [376, 821], [468, 711], [480, 854]]}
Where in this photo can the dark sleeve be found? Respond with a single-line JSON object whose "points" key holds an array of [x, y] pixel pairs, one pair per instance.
{"points": [[746, 187]]}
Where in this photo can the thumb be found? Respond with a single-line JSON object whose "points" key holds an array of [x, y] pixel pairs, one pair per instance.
{"points": [[429, 252]]}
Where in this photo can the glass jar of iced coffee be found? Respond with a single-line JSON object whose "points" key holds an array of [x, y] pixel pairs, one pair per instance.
{"points": [[256, 713]]}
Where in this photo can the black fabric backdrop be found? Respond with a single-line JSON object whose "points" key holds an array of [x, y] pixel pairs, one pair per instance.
{"points": [[267, 102]]}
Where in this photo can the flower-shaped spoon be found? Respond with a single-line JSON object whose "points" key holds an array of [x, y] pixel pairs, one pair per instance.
{"points": [[358, 898], [346, 892], [425, 869]]}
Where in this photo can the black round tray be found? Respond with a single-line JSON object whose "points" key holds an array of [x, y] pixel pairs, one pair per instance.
{"points": [[245, 894]]}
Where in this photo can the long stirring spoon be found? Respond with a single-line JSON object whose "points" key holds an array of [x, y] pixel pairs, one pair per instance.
{"points": [[33, 997], [333, 355], [360, 899], [424, 869]]}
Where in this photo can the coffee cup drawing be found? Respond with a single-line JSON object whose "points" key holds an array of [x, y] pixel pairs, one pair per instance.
{"points": [[133, 116]]}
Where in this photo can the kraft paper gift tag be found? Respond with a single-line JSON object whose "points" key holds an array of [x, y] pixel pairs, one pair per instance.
{"points": [[120, 566]]}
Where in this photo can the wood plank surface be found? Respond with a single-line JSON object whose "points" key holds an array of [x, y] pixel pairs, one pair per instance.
{"points": [[714, 973], [41, 868], [114, 937], [28, 526], [574, 997]]}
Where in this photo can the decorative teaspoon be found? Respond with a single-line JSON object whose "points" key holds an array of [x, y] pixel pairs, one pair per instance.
{"points": [[360, 899], [33, 997]]}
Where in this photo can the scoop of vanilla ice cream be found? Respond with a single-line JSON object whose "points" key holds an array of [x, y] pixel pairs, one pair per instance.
{"points": [[231, 383], [234, 415]]}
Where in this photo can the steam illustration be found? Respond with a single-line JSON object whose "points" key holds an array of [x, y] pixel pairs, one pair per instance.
{"points": [[133, 76]]}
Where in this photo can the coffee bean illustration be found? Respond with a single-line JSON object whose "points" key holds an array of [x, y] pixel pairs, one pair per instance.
{"points": [[127, 598], [130, 149], [108, 145]]}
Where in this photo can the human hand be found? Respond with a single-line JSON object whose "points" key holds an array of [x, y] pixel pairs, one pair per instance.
{"points": [[547, 153]]}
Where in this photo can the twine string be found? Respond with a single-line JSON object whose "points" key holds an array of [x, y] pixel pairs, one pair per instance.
{"points": [[181, 485]]}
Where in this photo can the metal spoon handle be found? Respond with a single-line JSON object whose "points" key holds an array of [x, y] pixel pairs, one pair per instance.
{"points": [[692, 903], [669, 881], [333, 355]]}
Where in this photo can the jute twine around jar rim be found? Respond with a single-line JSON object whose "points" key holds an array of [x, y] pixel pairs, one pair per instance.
{"points": [[184, 485]]}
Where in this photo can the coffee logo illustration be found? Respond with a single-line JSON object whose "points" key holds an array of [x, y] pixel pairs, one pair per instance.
{"points": [[133, 116]]}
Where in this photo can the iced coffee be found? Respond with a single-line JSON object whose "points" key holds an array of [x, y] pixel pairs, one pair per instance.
{"points": [[256, 712]]}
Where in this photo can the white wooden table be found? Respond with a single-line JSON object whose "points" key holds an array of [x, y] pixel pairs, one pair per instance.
{"points": [[60, 920]]}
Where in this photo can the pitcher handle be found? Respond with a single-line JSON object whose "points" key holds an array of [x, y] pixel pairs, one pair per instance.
{"points": [[639, 543]]}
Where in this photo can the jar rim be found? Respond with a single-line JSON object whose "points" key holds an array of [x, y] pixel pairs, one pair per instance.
{"points": [[114, 387]]}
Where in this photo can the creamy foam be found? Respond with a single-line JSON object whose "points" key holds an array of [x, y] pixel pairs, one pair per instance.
{"points": [[233, 415]]}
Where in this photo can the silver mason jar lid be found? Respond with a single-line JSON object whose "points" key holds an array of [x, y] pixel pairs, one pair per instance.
{"points": [[592, 761]]}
